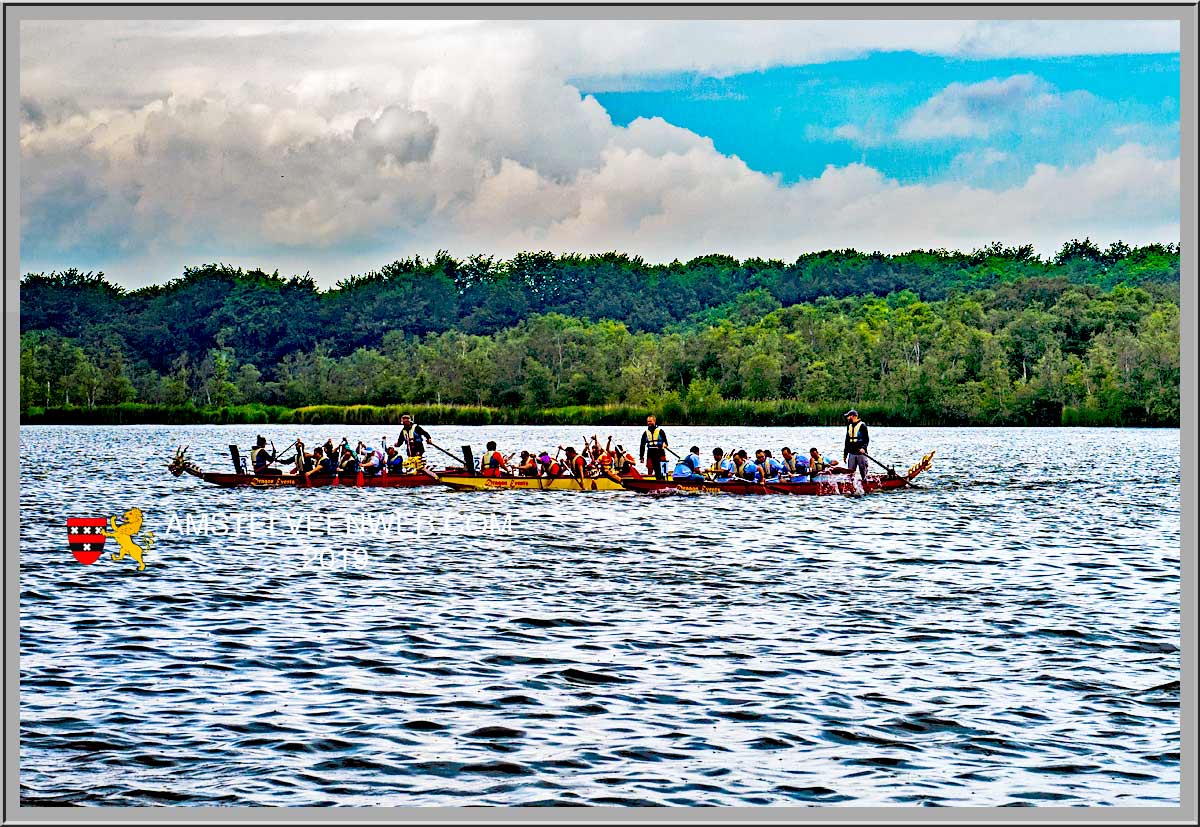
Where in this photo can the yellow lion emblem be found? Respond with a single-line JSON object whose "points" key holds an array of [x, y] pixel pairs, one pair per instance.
{"points": [[124, 533]]}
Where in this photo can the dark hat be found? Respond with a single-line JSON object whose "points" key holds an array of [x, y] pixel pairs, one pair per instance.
{"points": [[850, 413]]}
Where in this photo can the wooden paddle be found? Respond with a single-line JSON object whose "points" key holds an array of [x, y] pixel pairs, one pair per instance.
{"points": [[891, 471], [447, 453]]}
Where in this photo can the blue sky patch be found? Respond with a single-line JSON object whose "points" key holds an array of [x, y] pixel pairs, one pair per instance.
{"points": [[920, 118]]}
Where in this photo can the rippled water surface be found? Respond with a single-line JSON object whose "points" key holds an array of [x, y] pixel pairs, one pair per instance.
{"points": [[1007, 635]]}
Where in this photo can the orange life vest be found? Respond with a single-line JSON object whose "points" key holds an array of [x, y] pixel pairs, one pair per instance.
{"points": [[492, 463]]}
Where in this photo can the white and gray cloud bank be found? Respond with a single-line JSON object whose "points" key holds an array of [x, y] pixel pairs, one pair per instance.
{"points": [[280, 143]]}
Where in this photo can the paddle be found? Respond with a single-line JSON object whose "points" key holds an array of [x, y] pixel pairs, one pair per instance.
{"points": [[447, 453], [891, 471], [282, 460]]}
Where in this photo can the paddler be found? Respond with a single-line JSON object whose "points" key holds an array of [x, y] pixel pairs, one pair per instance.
{"points": [[743, 468], [322, 464], [369, 459], [527, 467], [793, 465], [766, 470], [653, 450], [854, 451], [607, 466], [688, 468], [394, 462], [261, 458], [576, 464], [492, 463], [549, 467], [347, 462], [412, 436], [302, 459], [623, 463], [721, 468], [818, 463]]}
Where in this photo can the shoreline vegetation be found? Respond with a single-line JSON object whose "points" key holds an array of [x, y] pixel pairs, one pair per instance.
{"points": [[997, 336], [770, 413]]}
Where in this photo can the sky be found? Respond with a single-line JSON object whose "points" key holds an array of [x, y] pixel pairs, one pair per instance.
{"points": [[333, 148]]}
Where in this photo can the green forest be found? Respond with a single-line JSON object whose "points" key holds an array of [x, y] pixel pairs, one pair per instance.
{"points": [[997, 336]]}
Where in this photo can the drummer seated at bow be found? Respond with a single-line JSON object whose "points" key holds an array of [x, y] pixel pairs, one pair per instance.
{"points": [[261, 458], [689, 467], [492, 463]]}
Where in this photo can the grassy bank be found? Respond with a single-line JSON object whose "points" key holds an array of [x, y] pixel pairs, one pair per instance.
{"points": [[670, 411]]}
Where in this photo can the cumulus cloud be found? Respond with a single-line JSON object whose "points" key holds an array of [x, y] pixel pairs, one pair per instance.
{"points": [[304, 141], [978, 110]]}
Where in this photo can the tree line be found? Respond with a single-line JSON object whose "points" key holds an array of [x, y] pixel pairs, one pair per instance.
{"points": [[998, 335]]}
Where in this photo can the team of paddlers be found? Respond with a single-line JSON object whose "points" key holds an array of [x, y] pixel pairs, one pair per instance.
{"points": [[592, 460]]}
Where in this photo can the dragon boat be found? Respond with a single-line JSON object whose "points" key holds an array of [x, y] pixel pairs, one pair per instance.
{"points": [[841, 483], [416, 475]]}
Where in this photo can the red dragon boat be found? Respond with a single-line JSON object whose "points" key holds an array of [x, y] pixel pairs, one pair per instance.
{"points": [[243, 479], [842, 483]]}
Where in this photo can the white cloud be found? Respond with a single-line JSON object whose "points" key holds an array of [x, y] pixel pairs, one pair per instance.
{"points": [[316, 142], [978, 110]]}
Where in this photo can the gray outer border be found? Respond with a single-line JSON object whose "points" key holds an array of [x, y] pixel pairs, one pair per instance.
{"points": [[1185, 814]]}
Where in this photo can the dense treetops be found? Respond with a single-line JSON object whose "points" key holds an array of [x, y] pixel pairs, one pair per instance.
{"points": [[995, 335]]}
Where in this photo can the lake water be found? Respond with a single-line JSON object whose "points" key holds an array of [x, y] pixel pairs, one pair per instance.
{"points": [[1007, 635]]}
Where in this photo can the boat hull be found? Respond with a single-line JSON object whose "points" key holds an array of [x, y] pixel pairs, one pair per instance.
{"points": [[293, 481], [464, 482], [829, 484], [824, 487]]}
